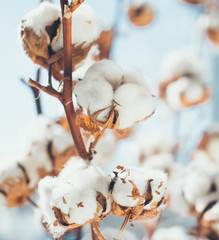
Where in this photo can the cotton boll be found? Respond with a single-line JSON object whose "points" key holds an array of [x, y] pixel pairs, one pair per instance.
{"points": [[38, 130], [196, 185], [85, 26], [194, 92], [174, 91], [181, 62], [133, 76], [108, 70], [135, 104], [39, 18], [96, 95], [114, 234], [213, 148], [203, 201], [122, 189], [171, 233]]}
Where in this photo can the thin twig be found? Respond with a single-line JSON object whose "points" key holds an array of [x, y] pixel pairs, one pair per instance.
{"points": [[79, 233], [35, 92], [49, 90], [67, 87], [124, 223], [32, 202]]}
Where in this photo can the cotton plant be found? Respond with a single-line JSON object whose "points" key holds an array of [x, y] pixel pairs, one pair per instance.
{"points": [[140, 13], [99, 111], [181, 82]]}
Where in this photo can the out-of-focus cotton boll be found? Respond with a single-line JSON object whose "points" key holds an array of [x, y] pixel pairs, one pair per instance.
{"points": [[135, 103], [170, 233], [114, 234], [213, 148], [196, 185], [181, 62], [194, 92]]}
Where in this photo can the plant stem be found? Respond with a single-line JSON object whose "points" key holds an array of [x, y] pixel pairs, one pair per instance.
{"points": [[67, 87], [95, 230]]}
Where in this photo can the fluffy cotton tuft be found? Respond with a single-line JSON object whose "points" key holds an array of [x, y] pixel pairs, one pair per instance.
{"points": [[41, 17], [74, 192], [171, 233], [85, 27], [122, 189], [181, 62], [135, 104]]}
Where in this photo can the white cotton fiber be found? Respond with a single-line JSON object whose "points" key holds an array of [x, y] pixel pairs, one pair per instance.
{"points": [[96, 95], [194, 92], [181, 62], [41, 17], [170, 233], [135, 103], [108, 70]]}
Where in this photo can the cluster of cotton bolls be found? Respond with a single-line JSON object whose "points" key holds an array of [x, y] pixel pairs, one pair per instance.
{"points": [[39, 144], [181, 82], [42, 35], [105, 90], [197, 194], [81, 194], [140, 13], [155, 152], [209, 23]]}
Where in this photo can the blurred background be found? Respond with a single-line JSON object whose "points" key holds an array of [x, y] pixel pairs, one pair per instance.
{"points": [[174, 26]]}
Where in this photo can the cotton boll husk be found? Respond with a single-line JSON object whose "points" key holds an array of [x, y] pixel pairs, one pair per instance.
{"points": [[83, 67], [135, 104], [122, 191], [174, 91], [114, 234], [105, 148], [96, 95], [106, 69], [181, 62], [171, 233], [41, 17]]}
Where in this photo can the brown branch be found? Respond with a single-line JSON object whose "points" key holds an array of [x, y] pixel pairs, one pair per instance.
{"points": [[67, 87], [49, 90], [79, 233], [95, 231], [36, 92], [32, 202]]}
